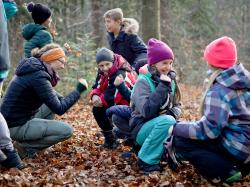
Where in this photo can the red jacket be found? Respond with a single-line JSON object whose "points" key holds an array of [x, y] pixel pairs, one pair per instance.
{"points": [[104, 85]]}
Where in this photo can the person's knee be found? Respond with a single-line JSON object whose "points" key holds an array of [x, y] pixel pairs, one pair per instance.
{"points": [[166, 120], [67, 131], [116, 119], [97, 110]]}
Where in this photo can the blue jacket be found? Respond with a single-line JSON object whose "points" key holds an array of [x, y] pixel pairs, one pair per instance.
{"points": [[129, 45], [226, 113], [28, 90]]}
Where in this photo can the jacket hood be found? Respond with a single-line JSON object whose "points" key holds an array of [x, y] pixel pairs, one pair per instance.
{"points": [[130, 26], [236, 77], [29, 30], [29, 65]]}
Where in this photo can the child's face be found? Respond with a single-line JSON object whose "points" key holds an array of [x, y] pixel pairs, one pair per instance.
{"points": [[164, 66], [104, 66], [112, 25]]}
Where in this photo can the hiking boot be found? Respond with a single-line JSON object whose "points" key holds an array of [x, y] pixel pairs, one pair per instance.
{"points": [[23, 152], [2, 156], [148, 168], [110, 141], [13, 159]]}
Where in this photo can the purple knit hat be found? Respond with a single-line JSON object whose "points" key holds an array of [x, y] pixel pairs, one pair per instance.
{"points": [[158, 51]]}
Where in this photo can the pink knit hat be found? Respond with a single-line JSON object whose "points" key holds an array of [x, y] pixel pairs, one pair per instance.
{"points": [[221, 53], [158, 51]]}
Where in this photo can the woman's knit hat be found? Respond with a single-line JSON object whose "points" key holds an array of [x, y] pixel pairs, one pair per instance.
{"points": [[39, 12], [104, 54], [158, 51], [221, 53]]}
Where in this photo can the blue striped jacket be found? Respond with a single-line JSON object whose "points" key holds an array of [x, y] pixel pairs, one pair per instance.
{"points": [[226, 113]]}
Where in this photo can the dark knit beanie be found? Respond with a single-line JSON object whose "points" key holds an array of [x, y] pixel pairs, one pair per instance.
{"points": [[39, 12], [104, 54]]}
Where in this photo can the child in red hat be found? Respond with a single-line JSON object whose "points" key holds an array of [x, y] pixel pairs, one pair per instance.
{"points": [[218, 144]]}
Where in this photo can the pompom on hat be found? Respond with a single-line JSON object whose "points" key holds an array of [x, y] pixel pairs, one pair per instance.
{"points": [[158, 51], [221, 53], [39, 12]]}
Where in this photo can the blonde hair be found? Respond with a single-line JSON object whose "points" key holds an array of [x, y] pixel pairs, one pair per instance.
{"points": [[36, 52], [115, 14], [212, 78]]}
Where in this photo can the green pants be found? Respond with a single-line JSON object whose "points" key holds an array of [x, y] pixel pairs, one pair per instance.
{"points": [[41, 132], [151, 137]]}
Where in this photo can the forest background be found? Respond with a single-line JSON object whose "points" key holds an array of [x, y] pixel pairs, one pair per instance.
{"points": [[186, 25]]}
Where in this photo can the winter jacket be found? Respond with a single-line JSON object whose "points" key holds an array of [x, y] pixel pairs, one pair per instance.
{"points": [[35, 35], [129, 44], [4, 43], [28, 90], [148, 102], [226, 113], [105, 88]]}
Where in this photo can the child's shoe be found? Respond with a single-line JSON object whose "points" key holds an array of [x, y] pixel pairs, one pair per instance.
{"points": [[13, 159], [148, 168], [235, 176], [110, 140]]}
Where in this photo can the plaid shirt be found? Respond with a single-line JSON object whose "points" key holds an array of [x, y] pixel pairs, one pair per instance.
{"points": [[226, 113]]}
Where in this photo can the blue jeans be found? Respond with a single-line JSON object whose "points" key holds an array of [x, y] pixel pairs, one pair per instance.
{"points": [[151, 137]]}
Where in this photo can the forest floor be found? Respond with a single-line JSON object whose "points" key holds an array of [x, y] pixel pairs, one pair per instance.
{"points": [[79, 162]]}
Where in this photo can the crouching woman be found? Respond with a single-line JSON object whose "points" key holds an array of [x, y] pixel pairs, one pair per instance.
{"points": [[30, 102]]}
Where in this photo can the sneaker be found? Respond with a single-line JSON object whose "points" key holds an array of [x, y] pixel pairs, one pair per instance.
{"points": [[2, 156], [235, 177], [13, 159], [148, 168]]}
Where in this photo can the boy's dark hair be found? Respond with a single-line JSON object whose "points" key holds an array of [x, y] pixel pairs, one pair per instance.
{"points": [[115, 14]]}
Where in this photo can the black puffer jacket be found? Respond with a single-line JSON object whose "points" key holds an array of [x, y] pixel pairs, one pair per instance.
{"points": [[29, 89]]}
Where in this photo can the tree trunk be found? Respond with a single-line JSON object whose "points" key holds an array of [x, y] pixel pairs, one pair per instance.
{"points": [[151, 19], [165, 20], [97, 22]]}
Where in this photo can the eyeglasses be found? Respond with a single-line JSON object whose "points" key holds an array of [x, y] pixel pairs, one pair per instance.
{"points": [[62, 61]]}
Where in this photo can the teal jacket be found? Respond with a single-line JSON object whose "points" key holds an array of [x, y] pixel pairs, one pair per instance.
{"points": [[36, 35], [4, 44]]}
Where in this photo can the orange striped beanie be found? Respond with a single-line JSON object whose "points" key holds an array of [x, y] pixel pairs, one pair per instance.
{"points": [[52, 54]]}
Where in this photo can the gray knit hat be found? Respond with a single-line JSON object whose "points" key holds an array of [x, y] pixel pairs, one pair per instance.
{"points": [[104, 54]]}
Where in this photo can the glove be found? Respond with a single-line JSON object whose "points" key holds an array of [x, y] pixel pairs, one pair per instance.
{"points": [[172, 74], [82, 85], [175, 112]]}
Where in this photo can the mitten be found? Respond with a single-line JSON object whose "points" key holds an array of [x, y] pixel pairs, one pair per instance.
{"points": [[172, 74], [82, 85]]}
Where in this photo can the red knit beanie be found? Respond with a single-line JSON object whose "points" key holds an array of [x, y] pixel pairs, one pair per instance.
{"points": [[221, 53]]}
